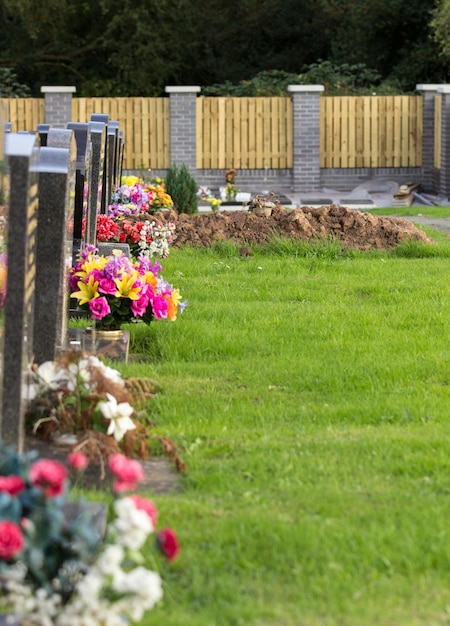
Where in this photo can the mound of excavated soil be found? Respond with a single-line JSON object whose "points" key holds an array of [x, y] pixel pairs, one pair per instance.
{"points": [[355, 229]]}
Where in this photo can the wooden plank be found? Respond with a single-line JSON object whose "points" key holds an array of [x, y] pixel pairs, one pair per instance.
{"points": [[344, 148], [252, 133], [337, 129], [404, 128], [289, 133], [244, 133], [351, 161], [372, 104], [325, 131], [236, 133]]}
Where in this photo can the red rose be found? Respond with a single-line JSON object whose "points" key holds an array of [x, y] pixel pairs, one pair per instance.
{"points": [[167, 542], [12, 484], [11, 540], [50, 476], [143, 504]]}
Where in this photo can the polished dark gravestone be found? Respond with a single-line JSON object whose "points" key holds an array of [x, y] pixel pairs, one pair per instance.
{"points": [[98, 134], [112, 164], [42, 130], [53, 250], [103, 118], [22, 153], [82, 180], [4, 200]]}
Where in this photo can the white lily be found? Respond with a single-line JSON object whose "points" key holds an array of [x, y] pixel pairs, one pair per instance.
{"points": [[119, 415]]}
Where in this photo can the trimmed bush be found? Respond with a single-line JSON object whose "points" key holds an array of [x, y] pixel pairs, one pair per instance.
{"points": [[183, 188]]}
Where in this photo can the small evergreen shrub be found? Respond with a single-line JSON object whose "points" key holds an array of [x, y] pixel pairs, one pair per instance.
{"points": [[182, 188]]}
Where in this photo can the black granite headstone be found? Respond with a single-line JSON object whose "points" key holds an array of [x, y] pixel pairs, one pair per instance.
{"points": [[82, 180], [98, 134], [56, 185], [103, 118], [21, 151], [113, 144], [42, 130], [4, 199]]}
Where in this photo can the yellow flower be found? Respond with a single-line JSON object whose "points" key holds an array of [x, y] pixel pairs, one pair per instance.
{"points": [[130, 181], [88, 291], [125, 286]]}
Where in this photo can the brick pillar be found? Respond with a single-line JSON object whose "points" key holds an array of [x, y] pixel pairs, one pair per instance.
{"points": [[428, 93], [58, 105], [306, 139], [183, 125], [444, 179]]}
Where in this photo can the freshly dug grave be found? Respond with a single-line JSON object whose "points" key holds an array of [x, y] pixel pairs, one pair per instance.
{"points": [[356, 230]]}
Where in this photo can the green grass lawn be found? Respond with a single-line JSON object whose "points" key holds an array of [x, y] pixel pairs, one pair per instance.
{"points": [[309, 392]]}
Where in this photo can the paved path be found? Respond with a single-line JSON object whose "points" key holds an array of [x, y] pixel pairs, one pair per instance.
{"points": [[440, 223]]}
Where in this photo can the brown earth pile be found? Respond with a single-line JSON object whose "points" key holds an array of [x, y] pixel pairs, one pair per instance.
{"points": [[355, 229]]}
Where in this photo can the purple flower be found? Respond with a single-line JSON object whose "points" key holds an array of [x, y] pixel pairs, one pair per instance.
{"points": [[99, 308]]}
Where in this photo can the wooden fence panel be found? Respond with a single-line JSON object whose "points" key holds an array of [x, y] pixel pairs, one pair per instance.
{"points": [[371, 131], [244, 133], [145, 124], [24, 113]]}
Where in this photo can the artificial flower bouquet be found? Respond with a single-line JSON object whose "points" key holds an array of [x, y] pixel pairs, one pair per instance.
{"points": [[81, 402], [144, 236], [230, 188], [115, 290], [205, 194], [136, 196], [129, 218], [60, 569], [79, 396]]}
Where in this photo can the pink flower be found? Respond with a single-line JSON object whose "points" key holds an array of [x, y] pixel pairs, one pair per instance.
{"points": [[99, 307], [50, 476], [12, 484], [128, 471], [143, 504], [139, 307], [11, 540], [167, 542], [107, 285], [78, 461], [159, 307]]}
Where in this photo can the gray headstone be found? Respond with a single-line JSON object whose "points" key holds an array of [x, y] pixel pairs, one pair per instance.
{"points": [[53, 251], [8, 127], [106, 248], [82, 180], [98, 134], [22, 155]]}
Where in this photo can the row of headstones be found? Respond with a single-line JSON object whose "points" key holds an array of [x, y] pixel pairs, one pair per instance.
{"points": [[52, 181]]}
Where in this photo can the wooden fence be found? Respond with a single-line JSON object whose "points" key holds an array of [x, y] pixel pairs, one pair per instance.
{"points": [[24, 113], [371, 131], [257, 133], [144, 121], [246, 133]]}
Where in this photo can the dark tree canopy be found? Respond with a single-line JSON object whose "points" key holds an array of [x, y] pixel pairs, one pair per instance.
{"points": [[136, 47]]}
